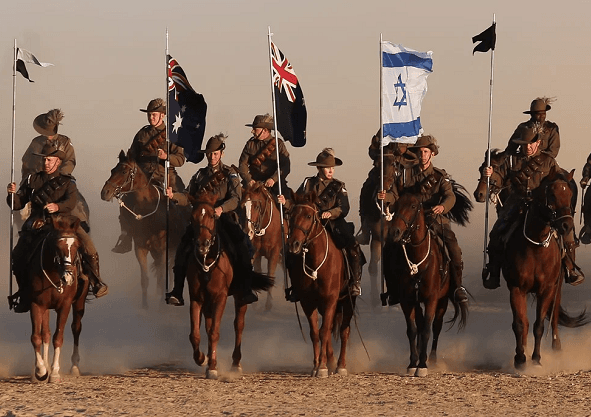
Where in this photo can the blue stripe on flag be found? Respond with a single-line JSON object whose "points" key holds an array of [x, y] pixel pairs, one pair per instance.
{"points": [[398, 130], [406, 59]]}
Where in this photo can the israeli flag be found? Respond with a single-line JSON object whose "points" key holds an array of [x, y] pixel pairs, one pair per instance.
{"points": [[404, 85]]}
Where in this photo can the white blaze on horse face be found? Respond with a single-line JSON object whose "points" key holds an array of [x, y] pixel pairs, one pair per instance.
{"points": [[69, 255], [202, 213], [248, 207]]}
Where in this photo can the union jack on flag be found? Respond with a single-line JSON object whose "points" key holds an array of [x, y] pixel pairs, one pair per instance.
{"points": [[290, 105]]}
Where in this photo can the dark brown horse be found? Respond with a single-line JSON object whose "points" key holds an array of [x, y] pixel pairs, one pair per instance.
{"points": [[263, 226], [55, 285], [318, 273], [423, 280], [533, 265], [210, 277], [497, 190], [147, 205]]}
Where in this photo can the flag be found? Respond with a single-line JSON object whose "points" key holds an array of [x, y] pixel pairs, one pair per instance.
{"points": [[487, 40], [404, 85], [22, 56], [187, 110], [289, 99]]}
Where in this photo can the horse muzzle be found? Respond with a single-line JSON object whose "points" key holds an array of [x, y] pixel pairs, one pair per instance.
{"points": [[108, 192], [295, 247]]}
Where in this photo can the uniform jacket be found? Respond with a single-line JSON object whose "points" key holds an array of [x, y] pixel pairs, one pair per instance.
{"points": [[34, 163], [525, 173], [268, 169], [336, 204], [549, 141], [145, 145]]}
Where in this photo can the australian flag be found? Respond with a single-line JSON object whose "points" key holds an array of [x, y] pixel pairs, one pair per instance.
{"points": [[187, 110], [289, 99]]}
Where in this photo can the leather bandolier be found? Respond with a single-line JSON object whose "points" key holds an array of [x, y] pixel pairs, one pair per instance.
{"points": [[520, 179], [42, 196], [263, 153]]}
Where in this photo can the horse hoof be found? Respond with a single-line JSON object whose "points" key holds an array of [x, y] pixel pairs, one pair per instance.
{"points": [[314, 373], [236, 369], [411, 371], [421, 372], [211, 374], [75, 371], [322, 373], [199, 358], [55, 378], [341, 372], [37, 378]]}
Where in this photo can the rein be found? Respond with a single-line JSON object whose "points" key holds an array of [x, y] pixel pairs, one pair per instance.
{"points": [[65, 264], [307, 242], [215, 240], [262, 211], [411, 227], [120, 194]]}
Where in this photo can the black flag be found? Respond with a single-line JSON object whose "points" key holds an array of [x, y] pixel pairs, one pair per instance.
{"points": [[487, 40]]}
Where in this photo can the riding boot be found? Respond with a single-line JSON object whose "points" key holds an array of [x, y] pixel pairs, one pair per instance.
{"points": [[585, 234], [363, 236], [356, 261], [244, 263], [460, 293], [124, 242], [181, 260], [491, 274], [99, 288], [574, 276], [20, 301]]}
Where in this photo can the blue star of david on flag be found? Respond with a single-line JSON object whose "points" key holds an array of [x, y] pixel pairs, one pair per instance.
{"points": [[400, 85]]}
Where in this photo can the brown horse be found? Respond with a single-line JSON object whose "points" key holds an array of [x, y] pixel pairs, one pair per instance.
{"points": [[533, 265], [147, 205], [497, 190], [423, 279], [55, 285], [318, 273], [210, 276], [263, 226]]}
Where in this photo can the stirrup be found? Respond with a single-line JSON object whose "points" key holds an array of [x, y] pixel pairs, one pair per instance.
{"points": [[174, 300], [124, 244]]}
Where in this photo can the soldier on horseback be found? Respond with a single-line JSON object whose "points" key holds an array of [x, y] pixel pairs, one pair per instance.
{"points": [[524, 172], [222, 180], [397, 157], [333, 203], [50, 193], [258, 161], [149, 149], [433, 186]]}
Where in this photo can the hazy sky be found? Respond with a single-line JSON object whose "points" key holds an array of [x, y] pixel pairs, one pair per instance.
{"points": [[109, 61]]}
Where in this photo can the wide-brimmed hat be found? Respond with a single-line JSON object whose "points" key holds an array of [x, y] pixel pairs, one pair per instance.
{"points": [[47, 123], [539, 104], [156, 105], [529, 135], [50, 150], [326, 159], [427, 141], [215, 143], [264, 121]]}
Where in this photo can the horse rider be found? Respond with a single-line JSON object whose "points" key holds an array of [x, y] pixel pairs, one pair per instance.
{"points": [[50, 193], [224, 181], [585, 234], [549, 135], [397, 157], [258, 160], [149, 149], [434, 189], [332, 202], [524, 172]]}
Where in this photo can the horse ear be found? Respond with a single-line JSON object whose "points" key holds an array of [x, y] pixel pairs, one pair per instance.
{"points": [[570, 175], [75, 223], [121, 156]]}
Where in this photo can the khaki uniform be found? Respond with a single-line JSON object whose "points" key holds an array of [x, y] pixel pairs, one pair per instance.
{"points": [[258, 162], [549, 138], [34, 163]]}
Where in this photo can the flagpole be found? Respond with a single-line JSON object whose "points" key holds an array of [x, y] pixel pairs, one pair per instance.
{"points": [[167, 163], [492, 61], [383, 295], [286, 284], [12, 169]]}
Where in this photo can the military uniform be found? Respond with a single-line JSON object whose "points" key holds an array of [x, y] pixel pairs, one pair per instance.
{"points": [[34, 163], [585, 234], [549, 138]]}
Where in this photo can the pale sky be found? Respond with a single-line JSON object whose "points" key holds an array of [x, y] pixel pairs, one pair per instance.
{"points": [[109, 61]]}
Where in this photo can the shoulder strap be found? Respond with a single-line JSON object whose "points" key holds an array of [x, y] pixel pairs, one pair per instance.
{"points": [[263, 153]]}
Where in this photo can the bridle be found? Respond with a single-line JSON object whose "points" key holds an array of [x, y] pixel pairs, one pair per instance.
{"points": [[208, 244], [311, 272], [262, 208], [411, 227], [67, 263]]}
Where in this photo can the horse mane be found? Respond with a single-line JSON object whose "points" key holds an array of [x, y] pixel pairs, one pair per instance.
{"points": [[65, 222], [460, 212], [308, 198]]}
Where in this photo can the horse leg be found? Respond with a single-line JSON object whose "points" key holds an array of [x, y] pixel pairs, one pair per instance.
{"points": [[213, 335], [195, 335], [312, 316], [142, 257], [77, 314], [37, 318], [271, 268], [520, 325], [345, 331], [58, 341], [424, 328], [240, 310], [409, 311], [556, 345], [325, 341], [374, 274], [437, 326]]}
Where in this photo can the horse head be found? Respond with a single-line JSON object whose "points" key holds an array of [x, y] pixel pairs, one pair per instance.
{"points": [[496, 158], [124, 178], [555, 197], [63, 244], [203, 222], [256, 202], [406, 218], [303, 222]]}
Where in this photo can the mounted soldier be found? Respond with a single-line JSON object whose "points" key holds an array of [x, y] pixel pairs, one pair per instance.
{"points": [[524, 172], [258, 161], [332, 202], [435, 190], [149, 149], [51, 193], [222, 180]]}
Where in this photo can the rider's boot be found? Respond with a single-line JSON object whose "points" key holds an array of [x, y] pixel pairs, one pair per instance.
{"points": [[20, 301], [574, 276], [363, 236], [585, 235], [460, 293], [99, 288], [356, 261], [181, 260], [123, 244], [491, 274]]}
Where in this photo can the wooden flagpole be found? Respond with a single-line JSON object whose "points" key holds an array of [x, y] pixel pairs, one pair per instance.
{"points": [[383, 295], [167, 164], [10, 289]]}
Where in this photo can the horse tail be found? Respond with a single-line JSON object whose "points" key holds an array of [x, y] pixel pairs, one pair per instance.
{"points": [[460, 212], [564, 319], [337, 321], [261, 282], [461, 312]]}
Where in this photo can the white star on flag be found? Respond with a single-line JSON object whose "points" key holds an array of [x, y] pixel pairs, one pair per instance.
{"points": [[177, 123]]}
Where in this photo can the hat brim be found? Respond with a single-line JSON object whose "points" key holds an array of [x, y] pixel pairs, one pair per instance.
{"points": [[548, 107], [433, 148], [40, 129], [337, 163], [157, 110], [263, 125], [57, 153], [210, 150]]}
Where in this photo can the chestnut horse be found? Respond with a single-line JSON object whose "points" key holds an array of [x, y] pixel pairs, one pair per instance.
{"points": [[423, 279], [533, 265], [318, 273], [210, 277], [263, 226], [147, 205], [55, 285]]}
